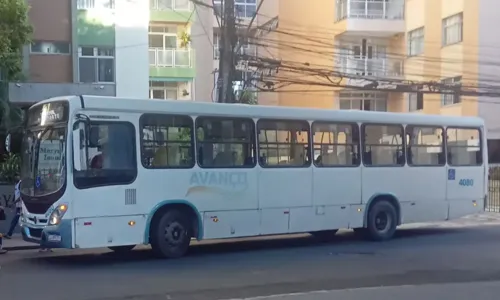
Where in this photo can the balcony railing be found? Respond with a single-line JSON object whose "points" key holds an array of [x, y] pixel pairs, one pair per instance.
{"points": [[91, 4], [380, 67], [170, 58], [369, 9], [170, 5]]}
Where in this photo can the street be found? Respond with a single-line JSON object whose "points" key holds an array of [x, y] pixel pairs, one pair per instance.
{"points": [[431, 262]]}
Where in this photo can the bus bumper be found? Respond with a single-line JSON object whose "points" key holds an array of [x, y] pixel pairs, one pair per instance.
{"points": [[56, 236]]}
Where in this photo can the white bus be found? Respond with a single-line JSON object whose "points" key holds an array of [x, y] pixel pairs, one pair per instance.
{"points": [[118, 172]]}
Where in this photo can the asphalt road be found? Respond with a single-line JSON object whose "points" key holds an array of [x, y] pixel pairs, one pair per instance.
{"points": [[424, 263]]}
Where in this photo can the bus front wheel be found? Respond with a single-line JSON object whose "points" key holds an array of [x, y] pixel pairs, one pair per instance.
{"points": [[382, 221], [171, 236]]}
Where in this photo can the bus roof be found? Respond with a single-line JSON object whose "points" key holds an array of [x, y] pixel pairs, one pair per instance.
{"points": [[262, 111]]}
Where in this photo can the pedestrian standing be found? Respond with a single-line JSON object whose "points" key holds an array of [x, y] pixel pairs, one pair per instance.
{"points": [[19, 206], [2, 218]]}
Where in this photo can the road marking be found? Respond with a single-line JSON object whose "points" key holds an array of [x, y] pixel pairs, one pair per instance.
{"points": [[321, 292]]}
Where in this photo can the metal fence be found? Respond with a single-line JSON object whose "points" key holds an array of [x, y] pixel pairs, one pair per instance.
{"points": [[493, 202]]}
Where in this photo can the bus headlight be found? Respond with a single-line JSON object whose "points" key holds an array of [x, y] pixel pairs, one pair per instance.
{"points": [[57, 214]]}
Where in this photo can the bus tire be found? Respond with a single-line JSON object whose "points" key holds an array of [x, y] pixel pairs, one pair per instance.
{"points": [[324, 235], [382, 221], [122, 249], [172, 235]]}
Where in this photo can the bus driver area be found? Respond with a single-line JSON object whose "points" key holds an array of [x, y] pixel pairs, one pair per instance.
{"points": [[142, 171]]}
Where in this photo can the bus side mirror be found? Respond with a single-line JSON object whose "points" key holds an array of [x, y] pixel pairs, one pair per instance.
{"points": [[79, 146]]}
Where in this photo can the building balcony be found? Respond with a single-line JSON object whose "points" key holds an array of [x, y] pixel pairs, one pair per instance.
{"points": [[170, 10], [377, 67], [171, 63], [380, 18], [95, 4]]}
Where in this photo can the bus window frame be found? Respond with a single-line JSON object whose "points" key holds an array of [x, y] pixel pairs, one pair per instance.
{"points": [[358, 128], [480, 145], [123, 183], [362, 141], [443, 146], [309, 144], [254, 142], [192, 147]]}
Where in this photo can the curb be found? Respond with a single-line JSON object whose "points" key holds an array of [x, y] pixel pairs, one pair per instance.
{"points": [[20, 248]]}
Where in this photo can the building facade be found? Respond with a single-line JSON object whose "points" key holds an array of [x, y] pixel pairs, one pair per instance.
{"points": [[448, 41], [166, 49]]}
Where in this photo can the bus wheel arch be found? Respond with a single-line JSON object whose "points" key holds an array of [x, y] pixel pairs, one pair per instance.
{"points": [[387, 208], [181, 215]]}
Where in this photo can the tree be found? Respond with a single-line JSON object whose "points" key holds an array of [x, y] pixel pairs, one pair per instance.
{"points": [[15, 32]]}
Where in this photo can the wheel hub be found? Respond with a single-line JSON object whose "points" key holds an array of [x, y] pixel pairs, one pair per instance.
{"points": [[381, 221], [174, 233]]}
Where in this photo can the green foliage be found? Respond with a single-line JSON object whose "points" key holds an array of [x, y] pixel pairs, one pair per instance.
{"points": [[15, 32], [10, 167], [248, 97], [185, 39]]}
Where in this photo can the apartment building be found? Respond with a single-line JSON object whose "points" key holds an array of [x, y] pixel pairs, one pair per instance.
{"points": [[166, 49], [451, 41]]}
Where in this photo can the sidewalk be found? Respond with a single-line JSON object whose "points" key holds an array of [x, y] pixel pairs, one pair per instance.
{"points": [[17, 243]]}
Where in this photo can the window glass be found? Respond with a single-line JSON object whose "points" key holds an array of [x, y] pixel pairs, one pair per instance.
{"points": [[167, 141], [464, 147], [283, 143], [112, 160], [335, 144], [225, 142], [383, 145], [425, 146]]}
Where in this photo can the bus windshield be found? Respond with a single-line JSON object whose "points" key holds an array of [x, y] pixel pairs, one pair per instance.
{"points": [[43, 169]]}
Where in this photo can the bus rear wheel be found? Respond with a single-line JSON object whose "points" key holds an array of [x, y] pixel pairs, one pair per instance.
{"points": [[382, 221], [172, 235]]}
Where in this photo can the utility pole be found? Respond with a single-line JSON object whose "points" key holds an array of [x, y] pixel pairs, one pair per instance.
{"points": [[227, 56]]}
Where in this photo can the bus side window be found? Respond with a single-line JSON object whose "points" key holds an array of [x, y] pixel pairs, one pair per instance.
{"points": [[383, 145], [464, 146], [335, 144], [425, 146], [167, 141], [283, 143], [225, 142]]}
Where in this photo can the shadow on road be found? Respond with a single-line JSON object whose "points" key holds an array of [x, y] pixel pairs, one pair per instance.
{"points": [[234, 246]]}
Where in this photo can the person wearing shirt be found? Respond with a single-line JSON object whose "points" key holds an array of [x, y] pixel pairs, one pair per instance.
{"points": [[2, 218], [19, 205]]}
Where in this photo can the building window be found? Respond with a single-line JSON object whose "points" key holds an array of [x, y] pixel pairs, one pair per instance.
{"points": [[92, 4], [416, 42], [43, 47], [451, 96], [243, 8], [335, 144], [96, 64], [167, 141], [415, 101], [464, 147], [383, 145], [425, 146], [163, 90], [216, 46], [453, 29], [170, 4], [225, 142], [284, 143], [363, 101]]}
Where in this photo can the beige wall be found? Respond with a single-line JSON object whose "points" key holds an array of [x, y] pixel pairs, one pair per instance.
{"points": [[440, 62]]}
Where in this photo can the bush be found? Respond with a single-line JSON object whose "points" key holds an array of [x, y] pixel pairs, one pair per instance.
{"points": [[10, 167], [494, 173]]}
